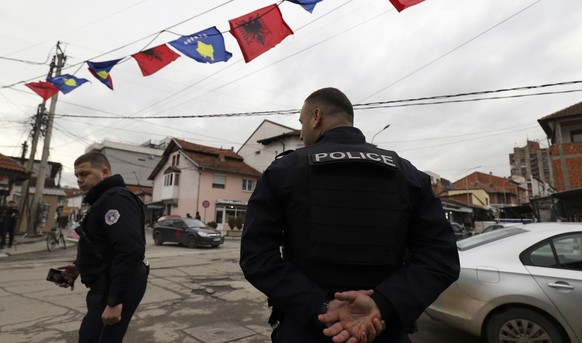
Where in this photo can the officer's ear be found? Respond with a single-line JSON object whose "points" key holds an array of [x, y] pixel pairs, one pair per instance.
{"points": [[317, 115], [106, 172]]}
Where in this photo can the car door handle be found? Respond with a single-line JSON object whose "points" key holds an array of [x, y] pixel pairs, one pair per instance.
{"points": [[561, 285]]}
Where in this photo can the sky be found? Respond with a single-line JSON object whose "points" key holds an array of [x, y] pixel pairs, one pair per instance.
{"points": [[365, 48]]}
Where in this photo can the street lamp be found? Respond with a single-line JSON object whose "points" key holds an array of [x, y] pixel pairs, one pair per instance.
{"points": [[385, 127], [467, 182]]}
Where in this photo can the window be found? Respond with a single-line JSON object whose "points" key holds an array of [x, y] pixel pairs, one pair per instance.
{"points": [[168, 179], [176, 160], [247, 185], [576, 136], [172, 179], [218, 181], [562, 252]]}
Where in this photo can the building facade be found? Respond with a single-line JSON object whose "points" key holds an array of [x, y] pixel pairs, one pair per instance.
{"points": [[266, 142], [192, 178], [532, 161], [564, 129]]}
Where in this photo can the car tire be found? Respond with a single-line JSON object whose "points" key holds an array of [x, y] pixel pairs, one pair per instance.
{"points": [[158, 239], [519, 324], [192, 242]]}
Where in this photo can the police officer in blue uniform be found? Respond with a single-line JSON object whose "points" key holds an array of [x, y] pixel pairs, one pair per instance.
{"points": [[348, 241], [111, 249]]}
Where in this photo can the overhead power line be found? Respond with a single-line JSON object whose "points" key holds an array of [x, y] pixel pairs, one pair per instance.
{"points": [[367, 106]]}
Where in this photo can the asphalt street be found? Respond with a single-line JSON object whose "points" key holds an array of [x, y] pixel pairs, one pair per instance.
{"points": [[193, 296]]}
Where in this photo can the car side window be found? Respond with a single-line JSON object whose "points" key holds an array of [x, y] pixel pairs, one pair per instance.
{"points": [[564, 252], [569, 251]]}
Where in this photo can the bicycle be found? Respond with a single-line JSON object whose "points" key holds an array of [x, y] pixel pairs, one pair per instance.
{"points": [[55, 238]]}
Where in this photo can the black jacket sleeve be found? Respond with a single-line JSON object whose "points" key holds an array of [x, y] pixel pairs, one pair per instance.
{"points": [[121, 216]]}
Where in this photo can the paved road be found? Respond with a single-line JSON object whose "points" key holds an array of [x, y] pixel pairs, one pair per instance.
{"points": [[194, 296]]}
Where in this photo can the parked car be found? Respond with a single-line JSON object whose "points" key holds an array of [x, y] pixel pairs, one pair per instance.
{"points": [[460, 231], [164, 217], [187, 231], [519, 284]]}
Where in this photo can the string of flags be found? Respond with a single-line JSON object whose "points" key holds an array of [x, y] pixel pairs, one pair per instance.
{"points": [[255, 32]]}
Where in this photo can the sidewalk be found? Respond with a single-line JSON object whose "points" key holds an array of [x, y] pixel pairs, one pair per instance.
{"points": [[24, 245]]}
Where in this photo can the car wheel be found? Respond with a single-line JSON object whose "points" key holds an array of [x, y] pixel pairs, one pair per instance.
{"points": [[158, 238], [523, 325], [191, 242]]}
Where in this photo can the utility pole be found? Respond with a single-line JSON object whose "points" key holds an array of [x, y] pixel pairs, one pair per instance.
{"points": [[36, 131], [40, 178], [24, 150]]}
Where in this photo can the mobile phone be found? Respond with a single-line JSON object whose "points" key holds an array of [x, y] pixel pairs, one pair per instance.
{"points": [[56, 275]]}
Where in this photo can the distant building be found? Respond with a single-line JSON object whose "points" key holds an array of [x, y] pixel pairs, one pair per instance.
{"points": [[564, 129], [11, 172], [531, 161], [266, 142], [133, 162]]}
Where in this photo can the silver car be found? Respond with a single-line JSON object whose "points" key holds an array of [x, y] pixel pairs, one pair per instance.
{"points": [[518, 284]]}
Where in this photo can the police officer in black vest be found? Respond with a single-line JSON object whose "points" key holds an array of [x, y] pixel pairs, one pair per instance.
{"points": [[110, 253], [348, 241]]}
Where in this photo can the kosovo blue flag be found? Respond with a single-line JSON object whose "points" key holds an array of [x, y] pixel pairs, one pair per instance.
{"points": [[101, 71], [206, 46], [307, 5], [66, 83]]}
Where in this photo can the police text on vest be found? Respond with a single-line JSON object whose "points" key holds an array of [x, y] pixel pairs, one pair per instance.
{"points": [[353, 155]]}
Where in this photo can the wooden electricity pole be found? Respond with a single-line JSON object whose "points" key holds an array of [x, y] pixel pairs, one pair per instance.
{"points": [[33, 220]]}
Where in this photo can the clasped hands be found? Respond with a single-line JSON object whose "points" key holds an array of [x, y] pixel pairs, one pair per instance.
{"points": [[352, 317]]}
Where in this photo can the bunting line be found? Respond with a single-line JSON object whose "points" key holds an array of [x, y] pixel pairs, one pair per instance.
{"points": [[256, 33]]}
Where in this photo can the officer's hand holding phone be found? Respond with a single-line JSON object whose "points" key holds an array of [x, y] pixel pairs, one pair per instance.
{"points": [[64, 276]]}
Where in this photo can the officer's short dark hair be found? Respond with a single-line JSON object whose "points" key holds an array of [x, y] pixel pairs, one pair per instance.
{"points": [[333, 100], [96, 158]]}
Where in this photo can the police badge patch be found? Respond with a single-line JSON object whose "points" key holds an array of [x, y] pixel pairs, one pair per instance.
{"points": [[111, 217]]}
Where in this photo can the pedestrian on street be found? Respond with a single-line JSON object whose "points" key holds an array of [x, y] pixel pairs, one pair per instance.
{"points": [[110, 252], [11, 215], [348, 241], [198, 216]]}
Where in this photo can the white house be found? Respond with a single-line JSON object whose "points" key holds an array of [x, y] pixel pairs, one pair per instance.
{"points": [[266, 142]]}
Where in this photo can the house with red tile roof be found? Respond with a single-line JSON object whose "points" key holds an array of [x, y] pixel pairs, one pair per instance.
{"points": [[10, 172], [192, 178]]}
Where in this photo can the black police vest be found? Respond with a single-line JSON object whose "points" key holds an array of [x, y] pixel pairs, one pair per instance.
{"points": [[348, 216], [95, 249]]}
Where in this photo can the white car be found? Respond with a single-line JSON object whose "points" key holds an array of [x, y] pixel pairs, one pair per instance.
{"points": [[518, 284], [500, 226]]}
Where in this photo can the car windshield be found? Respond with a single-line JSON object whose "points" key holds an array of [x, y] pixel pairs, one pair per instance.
{"points": [[488, 237], [191, 222]]}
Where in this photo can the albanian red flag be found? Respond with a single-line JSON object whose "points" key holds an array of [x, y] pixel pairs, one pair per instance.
{"points": [[154, 59], [259, 31], [45, 89], [403, 4]]}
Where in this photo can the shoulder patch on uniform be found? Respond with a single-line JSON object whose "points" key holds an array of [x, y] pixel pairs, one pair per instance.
{"points": [[111, 217]]}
